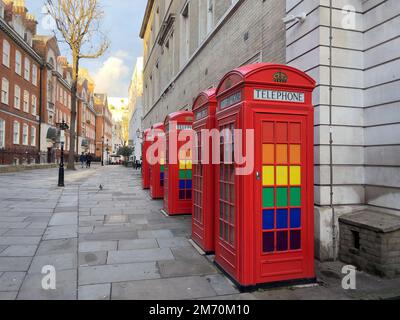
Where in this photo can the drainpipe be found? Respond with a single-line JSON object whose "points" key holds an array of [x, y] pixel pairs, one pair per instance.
{"points": [[334, 249]]}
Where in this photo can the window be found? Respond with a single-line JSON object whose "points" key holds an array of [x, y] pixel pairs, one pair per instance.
{"points": [[16, 132], [185, 33], [27, 68], [65, 98], [25, 135], [17, 97], [6, 53], [26, 101], [2, 134], [34, 75], [34, 105], [33, 136], [4, 91], [18, 62]]}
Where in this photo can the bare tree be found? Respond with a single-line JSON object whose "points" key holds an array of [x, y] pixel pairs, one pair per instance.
{"points": [[78, 23]]}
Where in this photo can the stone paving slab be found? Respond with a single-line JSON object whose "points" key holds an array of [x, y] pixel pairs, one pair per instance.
{"points": [[19, 251], [65, 261], [11, 281], [95, 292], [181, 288], [139, 255], [177, 268], [61, 232], [62, 219], [57, 246], [24, 232], [93, 246], [118, 273], [14, 263], [137, 244], [153, 234], [8, 295], [87, 259]]}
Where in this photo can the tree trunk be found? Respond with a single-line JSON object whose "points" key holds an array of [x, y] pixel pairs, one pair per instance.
{"points": [[73, 133]]}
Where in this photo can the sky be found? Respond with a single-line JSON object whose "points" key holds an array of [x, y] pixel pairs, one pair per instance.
{"points": [[123, 19]]}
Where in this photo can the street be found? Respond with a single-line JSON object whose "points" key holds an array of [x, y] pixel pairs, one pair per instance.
{"points": [[116, 244]]}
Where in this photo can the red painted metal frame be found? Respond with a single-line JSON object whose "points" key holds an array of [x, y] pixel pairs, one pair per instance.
{"points": [[145, 163], [245, 262], [172, 205], [156, 189], [204, 109]]}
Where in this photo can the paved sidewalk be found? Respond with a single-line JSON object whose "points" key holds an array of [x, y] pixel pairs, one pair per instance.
{"points": [[115, 244]]}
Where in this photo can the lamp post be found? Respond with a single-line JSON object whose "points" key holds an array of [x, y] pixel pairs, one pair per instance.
{"points": [[62, 126], [102, 151]]}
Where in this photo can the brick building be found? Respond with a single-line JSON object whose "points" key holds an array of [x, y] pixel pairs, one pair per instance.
{"points": [[20, 86], [103, 127], [350, 49]]}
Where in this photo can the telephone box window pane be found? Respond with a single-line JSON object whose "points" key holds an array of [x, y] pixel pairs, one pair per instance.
{"points": [[295, 218], [162, 168], [295, 154], [268, 154], [268, 197], [189, 174], [282, 241], [295, 132], [268, 177], [182, 184], [232, 236], [295, 175], [295, 197], [282, 219], [189, 165], [232, 215], [282, 197], [182, 164], [268, 132], [188, 184], [295, 240], [268, 219], [281, 175], [282, 153], [188, 194], [221, 190], [221, 229], [181, 194], [182, 174], [281, 132], [221, 210], [268, 242], [232, 194]]}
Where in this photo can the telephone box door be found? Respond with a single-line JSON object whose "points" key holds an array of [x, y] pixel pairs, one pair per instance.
{"points": [[283, 217]]}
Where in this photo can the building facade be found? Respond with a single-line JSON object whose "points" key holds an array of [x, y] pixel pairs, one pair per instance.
{"points": [[350, 49], [20, 86], [103, 127], [135, 106]]}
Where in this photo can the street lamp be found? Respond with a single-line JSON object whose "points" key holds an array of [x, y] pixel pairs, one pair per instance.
{"points": [[62, 127], [102, 151]]}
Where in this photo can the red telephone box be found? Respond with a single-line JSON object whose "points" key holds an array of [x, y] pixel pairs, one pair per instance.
{"points": [[265, 223], [203, 216], [157, 170], [145, 163], [178, 174]]}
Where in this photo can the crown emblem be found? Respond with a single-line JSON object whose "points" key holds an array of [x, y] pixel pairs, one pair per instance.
{"points": [[280, 77]]}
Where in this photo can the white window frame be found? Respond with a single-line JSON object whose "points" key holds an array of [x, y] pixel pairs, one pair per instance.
{"points": [[34, 105], [2, 133], [27, 69], [17, 97], [6, 53], [5, 90], [16, 133], [26, 101], [18, 62], [34, 74], [25, 134], [33, 136]]}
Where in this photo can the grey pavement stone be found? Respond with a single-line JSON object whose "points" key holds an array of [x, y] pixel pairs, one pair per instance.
{"points": [[139, 255], [95, 292], [233, 297], [178, 268], [13, 225], [62, 219], [137, 244], [65, 261], [93, 246], [153, 234], [19, 240], [66, 209], [173, 242], [222, 285], [37, 225], [57, 247], [61, 232], [118, 273], [8, 295], [185, 253], [24, 232], [163, 289], [14, 263], [2, 231], [92, 258], [109, 236], [2, 248], [19, 251], [12, 219], [66, 289], [11, 281], [85, 230]]}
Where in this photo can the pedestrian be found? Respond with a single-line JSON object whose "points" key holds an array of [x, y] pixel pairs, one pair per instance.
{"points": [[88, 160], [82, 159]]}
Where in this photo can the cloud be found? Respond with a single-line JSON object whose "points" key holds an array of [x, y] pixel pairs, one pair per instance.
{"points": [[111, 78]]}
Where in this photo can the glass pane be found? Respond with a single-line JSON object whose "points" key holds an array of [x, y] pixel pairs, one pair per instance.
{"points": [[268, 242], [295, 218], [282, 175], [282, 219], [295, 197], [268, 219], [232, 221], [268, 197], [295, 175], [282, 241], [268, 176], [281, 197], [232, 236], [268, 154], [221, 226], [295, 239], [295, 154], [281, 154]]}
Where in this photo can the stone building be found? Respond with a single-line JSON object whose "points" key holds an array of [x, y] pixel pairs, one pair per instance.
{"points": [[20, 86], [103, 126], [350, 47]]}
